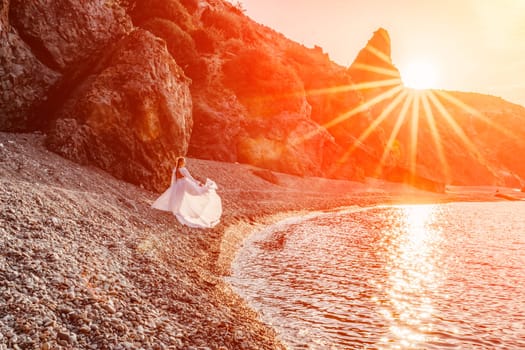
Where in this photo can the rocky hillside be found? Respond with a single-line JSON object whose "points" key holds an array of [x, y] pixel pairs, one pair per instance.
{"points": [[128, 85], [460, 138]]}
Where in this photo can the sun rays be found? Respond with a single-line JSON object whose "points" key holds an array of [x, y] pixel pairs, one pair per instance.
{"points": [[409, 109], [395, 131], [391, 126], [429, 115], [364, 106], [355, 87], [414, 124]]}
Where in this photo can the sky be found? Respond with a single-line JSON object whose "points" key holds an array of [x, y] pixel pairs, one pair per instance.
{"points": [[472, 45]]}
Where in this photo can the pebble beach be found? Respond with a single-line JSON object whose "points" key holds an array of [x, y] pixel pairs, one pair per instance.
{"points": [[85, 263]]}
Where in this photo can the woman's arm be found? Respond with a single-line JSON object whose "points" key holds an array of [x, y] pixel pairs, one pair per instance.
{"points": [[194, 187], [187, 174], [174, 175]]}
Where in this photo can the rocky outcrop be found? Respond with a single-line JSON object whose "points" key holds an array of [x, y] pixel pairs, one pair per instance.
{"points": [[475, 132], [217, 119], [249, 105], [374, 61], [66, 33], [24, 80], [131, 117], [42, 42], [288, 142]]}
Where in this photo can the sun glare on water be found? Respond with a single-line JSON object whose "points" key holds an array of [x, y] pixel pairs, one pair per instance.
{"points": [[419, 75]]}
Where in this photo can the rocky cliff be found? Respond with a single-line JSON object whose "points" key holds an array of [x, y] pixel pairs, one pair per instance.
{"points": [[130, 85]]}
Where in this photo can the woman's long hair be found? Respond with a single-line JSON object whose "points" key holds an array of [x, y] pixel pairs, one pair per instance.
{"points": [[179, 164]]}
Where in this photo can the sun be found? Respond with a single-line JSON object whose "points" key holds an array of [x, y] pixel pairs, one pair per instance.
{"points": [[419, 75]]}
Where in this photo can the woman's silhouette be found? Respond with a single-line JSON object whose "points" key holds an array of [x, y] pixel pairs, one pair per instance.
{"points": [[193, 203]]}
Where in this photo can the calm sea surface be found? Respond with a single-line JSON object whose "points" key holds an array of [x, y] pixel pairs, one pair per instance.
{"points": [[447, 276]]}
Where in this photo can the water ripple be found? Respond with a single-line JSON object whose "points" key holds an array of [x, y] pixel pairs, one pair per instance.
{"points": [[447, 276]]}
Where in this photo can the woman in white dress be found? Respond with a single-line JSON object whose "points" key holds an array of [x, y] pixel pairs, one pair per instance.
{"points": [[192, 203]]}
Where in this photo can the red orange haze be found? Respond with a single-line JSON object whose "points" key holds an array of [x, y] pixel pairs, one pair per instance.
{"points": [[465, 45], [416, 74]]}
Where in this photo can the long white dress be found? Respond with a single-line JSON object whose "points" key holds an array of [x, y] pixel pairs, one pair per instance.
{"points": [[193, 204]]}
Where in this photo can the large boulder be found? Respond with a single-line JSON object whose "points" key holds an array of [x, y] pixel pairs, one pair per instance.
{"points": [[24, 80], [132, 117], [65, 33], [42, 42]]}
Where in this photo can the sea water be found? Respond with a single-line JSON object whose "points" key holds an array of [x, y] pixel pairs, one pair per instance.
{"points": [[446, 276]]}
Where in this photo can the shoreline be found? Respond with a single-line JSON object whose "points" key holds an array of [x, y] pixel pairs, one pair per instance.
{"points": [[237, 234], [86, 263]]}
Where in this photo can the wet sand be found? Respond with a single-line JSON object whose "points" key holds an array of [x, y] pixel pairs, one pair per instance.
{"points": [[86, 263]]}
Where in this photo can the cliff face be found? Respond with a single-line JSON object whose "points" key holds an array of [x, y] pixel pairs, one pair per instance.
{"points": [[111, 95], [495, 131], [129, 85]]}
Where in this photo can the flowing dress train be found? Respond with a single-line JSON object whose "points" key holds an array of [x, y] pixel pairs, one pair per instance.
{"points": [[193, 204]]}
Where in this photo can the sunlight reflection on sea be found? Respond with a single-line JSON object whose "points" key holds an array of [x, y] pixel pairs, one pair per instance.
{"points": [[402, 277]]}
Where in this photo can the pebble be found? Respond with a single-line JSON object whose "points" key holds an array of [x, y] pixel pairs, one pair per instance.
{"points": [[65, 309], [109, 308], [66, 337], [85, 329], [53, 282]]}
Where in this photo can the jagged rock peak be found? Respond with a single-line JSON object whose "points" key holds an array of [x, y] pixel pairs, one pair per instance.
{"points": [[381, 41], [374, 61]]}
